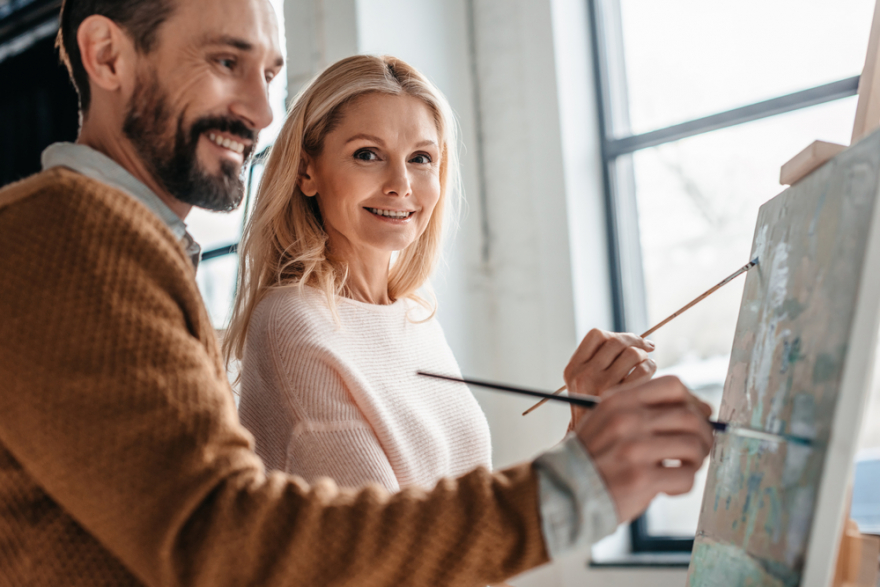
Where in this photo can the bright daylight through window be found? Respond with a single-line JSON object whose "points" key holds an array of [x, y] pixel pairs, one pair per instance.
{"points": [[684, 209]]}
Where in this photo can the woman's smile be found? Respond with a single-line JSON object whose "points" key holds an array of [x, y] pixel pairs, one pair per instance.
{"points": [[392, 216]]}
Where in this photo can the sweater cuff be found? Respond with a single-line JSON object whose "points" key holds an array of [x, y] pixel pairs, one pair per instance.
{"points": [[576, 508]]}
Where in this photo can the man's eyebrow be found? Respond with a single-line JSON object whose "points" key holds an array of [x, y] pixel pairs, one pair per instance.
{"points": [[231, 41]]}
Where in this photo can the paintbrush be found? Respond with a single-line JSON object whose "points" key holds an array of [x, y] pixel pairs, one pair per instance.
{"points": [[681, 311], [591, 401]]}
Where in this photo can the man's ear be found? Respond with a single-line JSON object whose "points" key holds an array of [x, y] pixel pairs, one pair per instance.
{"points": [[306, 180], [108, 54]]}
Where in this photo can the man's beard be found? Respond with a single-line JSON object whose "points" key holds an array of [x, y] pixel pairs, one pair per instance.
{"points": [[173, 160]]}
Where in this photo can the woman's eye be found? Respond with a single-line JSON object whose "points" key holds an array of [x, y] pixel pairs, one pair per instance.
{"points": [[421, 158], [365, 155]]}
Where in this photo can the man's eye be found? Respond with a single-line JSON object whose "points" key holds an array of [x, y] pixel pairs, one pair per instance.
{"points": [[365, 155], [227, 63], [421, 158]]}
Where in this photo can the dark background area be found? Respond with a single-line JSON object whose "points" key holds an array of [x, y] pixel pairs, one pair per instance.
{"points": [[38, 105]]}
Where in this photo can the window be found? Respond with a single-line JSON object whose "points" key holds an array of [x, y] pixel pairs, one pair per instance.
{"points": [[701, 103], [219, 233]]}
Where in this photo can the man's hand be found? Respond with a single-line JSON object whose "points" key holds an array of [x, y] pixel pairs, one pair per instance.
{"points": [[604, 360], [636, 430]]}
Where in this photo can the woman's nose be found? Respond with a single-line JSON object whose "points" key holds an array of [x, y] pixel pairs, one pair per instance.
{"points": [[397, 183]]}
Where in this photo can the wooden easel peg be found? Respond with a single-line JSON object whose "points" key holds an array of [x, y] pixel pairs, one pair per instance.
{"points": [[808, 160], [857, 562]]}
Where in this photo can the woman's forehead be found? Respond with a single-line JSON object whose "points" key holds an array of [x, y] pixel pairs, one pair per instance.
{"points": [[400, 117]]}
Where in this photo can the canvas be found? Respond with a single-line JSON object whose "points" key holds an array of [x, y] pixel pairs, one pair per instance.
{"points": [[800, 364]]}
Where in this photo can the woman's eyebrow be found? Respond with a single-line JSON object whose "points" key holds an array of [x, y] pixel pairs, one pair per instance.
{"points": [[366, 137], [375, 139]]}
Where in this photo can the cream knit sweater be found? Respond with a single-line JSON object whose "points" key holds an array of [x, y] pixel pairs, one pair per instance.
{"points": [[342, 400]]}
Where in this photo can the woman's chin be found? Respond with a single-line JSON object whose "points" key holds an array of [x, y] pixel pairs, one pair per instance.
{"points": [[388, 245]]}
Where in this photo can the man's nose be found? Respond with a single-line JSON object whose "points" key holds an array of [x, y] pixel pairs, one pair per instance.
{"points": [[252, 104]]}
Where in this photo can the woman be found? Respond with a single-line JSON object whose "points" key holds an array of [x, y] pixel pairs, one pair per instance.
{"points": [[329, 324]]}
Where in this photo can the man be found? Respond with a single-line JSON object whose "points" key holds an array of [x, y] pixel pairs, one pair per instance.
{"points": [[122, 461]]}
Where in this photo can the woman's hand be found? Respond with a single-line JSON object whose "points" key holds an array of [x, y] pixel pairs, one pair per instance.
{"points": [[604, 360]]}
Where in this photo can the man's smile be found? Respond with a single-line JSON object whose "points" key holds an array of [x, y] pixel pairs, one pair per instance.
{"points": [[228, 141]]}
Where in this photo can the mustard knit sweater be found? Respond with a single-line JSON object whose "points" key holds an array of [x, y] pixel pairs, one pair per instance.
{"points": [[122, 461]]}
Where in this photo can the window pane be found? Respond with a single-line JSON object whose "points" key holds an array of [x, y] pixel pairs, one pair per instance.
{"points": [[870, 437], [216, 279], [698, 202], [215, 229], [690, 58]]}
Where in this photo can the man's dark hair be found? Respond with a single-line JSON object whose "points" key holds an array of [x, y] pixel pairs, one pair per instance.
{"points": [[139, 18]]}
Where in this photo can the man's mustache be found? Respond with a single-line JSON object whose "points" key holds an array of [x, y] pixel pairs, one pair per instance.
{"points": [[225, 124]]}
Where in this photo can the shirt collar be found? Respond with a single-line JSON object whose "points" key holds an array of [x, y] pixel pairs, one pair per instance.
{"points": [[91, 163]]}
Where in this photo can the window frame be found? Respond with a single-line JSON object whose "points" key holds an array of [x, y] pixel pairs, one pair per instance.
{"points": [[617, 144]]}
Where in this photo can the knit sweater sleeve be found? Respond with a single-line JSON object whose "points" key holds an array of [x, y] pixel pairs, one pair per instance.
{"points": [[295, 402], [115, 404]]}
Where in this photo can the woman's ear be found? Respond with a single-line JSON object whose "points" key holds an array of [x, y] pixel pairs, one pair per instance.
{"points": [[107, 53], [306, 180]]}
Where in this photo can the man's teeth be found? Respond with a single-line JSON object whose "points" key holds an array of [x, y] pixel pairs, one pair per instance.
{"points": [[390, 213], [226, 143]]}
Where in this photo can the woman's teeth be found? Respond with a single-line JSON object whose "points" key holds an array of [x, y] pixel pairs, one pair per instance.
{"points": [[226, 143], [390, 213]]}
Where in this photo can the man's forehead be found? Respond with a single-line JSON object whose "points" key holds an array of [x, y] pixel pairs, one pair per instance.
{"points": [[246, 24]]}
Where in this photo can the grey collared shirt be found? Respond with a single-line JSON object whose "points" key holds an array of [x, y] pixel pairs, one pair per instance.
{"points": [[576, 508], [94, 164]]}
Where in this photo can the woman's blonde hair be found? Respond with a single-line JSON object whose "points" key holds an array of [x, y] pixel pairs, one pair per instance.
{"points": [[284, 243]]}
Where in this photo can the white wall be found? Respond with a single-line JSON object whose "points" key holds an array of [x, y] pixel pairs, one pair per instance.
{"points": [[526, 273]]}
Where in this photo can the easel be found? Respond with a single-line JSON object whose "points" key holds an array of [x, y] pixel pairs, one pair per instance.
{"points": [[857, 559], [859, 555], [867, 115]]}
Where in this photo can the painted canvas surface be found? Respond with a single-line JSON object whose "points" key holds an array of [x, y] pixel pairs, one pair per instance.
{"points": [[788, 355]]}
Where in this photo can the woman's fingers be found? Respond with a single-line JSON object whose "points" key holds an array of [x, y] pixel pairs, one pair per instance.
{"points": [[605, 359], [641, 372], [596, 341], [618, 344], [623, 365]]}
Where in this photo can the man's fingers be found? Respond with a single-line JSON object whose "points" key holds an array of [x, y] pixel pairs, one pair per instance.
{"points": [[703, 406], [660, 391], [653, 450], [680, 420], [676, 480]]}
